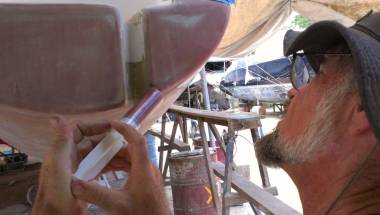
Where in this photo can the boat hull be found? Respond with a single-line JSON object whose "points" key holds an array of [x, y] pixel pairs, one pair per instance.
{"points": [[60, 69], [264, 93]]}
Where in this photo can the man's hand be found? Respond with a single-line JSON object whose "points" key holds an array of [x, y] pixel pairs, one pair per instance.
{"points": [[68, 147], [143, 193]]}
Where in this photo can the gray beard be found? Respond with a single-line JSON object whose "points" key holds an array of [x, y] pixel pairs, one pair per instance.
{"points": [[269, 151], [274, 150]]}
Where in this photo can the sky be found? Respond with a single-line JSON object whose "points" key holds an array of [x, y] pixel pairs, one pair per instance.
{"points": [[273, 47]]}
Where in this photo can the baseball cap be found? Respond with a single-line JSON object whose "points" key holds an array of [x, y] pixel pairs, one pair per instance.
{"points": [[363, 41]]}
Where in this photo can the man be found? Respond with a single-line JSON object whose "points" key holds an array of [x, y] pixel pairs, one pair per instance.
{"points": [[328, 142]]}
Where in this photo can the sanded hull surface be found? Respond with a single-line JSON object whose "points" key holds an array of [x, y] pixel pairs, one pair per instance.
{"points": [[79, 61]]}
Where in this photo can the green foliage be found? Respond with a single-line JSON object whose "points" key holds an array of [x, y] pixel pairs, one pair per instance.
{"points": [[301, 22]]}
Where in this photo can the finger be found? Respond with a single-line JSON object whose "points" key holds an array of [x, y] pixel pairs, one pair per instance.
{"points": [[96, 138], [137, 148], [121, 161], [130, 133], [88, 143], [92, 192], [118, 162], [158, 175], [91, 129], [63, 133], [61, 149], [78, 136], [84, 147]]}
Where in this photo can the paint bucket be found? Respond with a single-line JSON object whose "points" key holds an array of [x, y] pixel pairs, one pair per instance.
{"points": [[190, 186], [197, 142]]}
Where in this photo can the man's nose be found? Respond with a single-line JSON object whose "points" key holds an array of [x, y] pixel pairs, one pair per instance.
{"points": [[291, 93]]}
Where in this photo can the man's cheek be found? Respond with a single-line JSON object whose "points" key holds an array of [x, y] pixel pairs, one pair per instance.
{"points": [[291, 127]]}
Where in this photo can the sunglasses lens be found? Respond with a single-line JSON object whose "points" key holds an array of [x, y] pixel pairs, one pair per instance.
{"points": [[306, 66], [293, 75], [300, 73]]}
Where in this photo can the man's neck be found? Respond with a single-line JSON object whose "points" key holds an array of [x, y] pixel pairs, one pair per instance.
{"points": [[320, 181], [318, 188]]}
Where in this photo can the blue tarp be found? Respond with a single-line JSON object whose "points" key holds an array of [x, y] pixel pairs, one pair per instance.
{"points": [[277, 68], [229, 2]]}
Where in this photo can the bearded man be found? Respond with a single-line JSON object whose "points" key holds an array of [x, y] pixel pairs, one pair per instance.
{"points": [[328, 142]]}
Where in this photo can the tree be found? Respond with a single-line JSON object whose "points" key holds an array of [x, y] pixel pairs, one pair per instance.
{"points": [[300, 21]]}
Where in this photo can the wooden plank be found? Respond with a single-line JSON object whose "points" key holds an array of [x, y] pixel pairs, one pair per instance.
{"points": [[234, 199], [20, 174], [162, 141], [228, 171], [185, 136], [235, 121], [15, 192], [177, 144], [254, 209], [263, 170], [170, 146], [254, 194], [14, 185], [209, 169]]}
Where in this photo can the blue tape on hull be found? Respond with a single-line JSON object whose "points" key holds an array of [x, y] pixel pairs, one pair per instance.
{"points": [[229, 2]]}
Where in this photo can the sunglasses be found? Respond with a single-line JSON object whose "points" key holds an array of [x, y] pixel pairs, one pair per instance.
{"points": [[305, 67]]}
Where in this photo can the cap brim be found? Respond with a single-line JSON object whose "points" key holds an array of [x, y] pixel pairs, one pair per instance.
{"points": [[317, 38], [289, 38]]}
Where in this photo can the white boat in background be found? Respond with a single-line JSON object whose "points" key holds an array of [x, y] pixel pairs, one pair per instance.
{"points": [[260, 82]]}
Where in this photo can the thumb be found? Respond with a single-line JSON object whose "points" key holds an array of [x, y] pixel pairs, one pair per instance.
{"points": [[61, 126], [139, 153], [63, 132], [93, 193]]}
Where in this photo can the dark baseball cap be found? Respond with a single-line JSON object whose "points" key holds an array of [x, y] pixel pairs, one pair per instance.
{"points": [[363, 41]]}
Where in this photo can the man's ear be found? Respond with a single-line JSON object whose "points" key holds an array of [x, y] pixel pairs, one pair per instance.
{"points": [[359, 121]]}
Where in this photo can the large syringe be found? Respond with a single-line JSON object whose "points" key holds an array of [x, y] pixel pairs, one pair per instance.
{"points": [[98, 158]]}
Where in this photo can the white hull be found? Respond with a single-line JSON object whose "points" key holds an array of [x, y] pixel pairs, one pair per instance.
{"points": [[265, 93]]}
